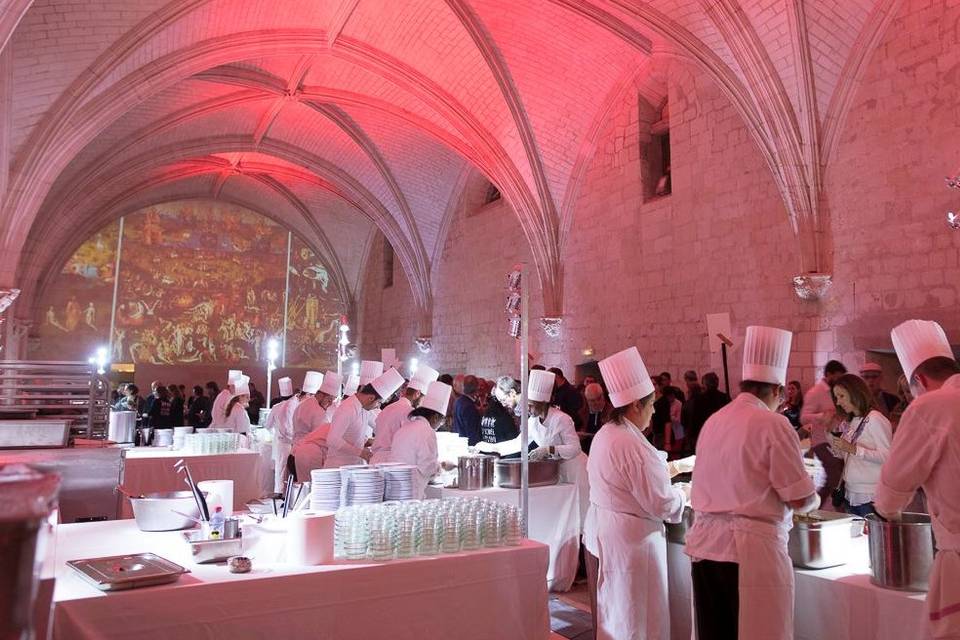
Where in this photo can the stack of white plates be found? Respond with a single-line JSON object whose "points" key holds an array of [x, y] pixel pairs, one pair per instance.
{"points": [[399, 482], [326, 489], [365, 486]]}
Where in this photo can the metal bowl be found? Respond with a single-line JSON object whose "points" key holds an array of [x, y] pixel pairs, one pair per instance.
{"points": [[543, 473], [157, 511]]}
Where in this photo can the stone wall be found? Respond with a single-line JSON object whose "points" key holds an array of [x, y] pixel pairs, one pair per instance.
{"points": [[647, 272]]}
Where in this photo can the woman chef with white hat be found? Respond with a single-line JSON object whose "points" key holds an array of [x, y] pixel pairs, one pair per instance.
{"points": [[748, 479], [630, 497], [218, 413], [415, 442], [926, 453]]}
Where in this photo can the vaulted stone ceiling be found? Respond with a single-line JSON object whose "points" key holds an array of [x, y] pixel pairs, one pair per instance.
{"points": [[344, 116]]}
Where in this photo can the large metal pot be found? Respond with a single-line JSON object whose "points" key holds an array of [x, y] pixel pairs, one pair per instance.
{"points": [[474, 472], [123, 426], [901, 553], [543, 473], [157, 511], [820, 539]]}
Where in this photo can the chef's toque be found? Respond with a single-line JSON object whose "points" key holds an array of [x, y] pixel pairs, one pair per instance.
{"points": [[626, 377], [387, 383], [766, 352], [370, 369], [437, 397], [540, 386], [423, 377], [331, 384], [916, 341], [353, 383], [232, 375], [312, 381], [241, 386], [286, 386]]}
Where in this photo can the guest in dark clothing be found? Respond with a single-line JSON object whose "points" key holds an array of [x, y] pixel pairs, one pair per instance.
{"points": [[707, 404], [566, 397], [667, 381], [257, 402], [159, 414], [595, 414], [466, 417], [150, 399], [176, 406], [198, 415], [499, 422], [793, 405]]}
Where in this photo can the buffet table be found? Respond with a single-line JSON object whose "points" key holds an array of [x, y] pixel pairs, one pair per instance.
{"points": [[148, 469], [486, 594], [554, 521], [839, 603]]}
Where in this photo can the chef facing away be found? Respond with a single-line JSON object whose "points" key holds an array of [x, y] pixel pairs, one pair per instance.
{"points": [[926, 454], [748, 480]]}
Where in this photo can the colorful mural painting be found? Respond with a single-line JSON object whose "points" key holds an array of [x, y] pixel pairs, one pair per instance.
{"points": [[199, 282]]}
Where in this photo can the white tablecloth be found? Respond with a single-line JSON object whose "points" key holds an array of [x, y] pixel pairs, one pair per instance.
{"points": [[839, 603], [489, 594], [146, 470], [554, 521]]}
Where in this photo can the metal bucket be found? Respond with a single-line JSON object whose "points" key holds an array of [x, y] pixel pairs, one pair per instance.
{"points": [[474, 472], [901, 553], [123, 426]]}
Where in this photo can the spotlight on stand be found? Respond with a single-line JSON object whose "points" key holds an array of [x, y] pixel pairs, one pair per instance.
{"points": [[101, 359], [953, 220], [273, 352], [414, 363]]}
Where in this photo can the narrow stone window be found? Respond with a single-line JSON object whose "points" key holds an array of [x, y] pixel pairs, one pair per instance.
{"points": [[387, 264]]}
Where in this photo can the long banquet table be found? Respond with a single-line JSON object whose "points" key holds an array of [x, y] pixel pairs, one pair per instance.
{"points": [[478, 595], [839, 603], [149, 469], [554, 521]]}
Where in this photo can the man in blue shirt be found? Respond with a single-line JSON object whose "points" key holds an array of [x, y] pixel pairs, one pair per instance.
{"points": [[466, 416]]}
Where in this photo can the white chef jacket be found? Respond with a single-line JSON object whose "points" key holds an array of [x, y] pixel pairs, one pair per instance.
{"points": [[818, 411], [556, 430], [218, 413], [749, 465], [280, 419], [310, 452], [926, 453], [307, 417], [387, 423], [347, 434], [630, 497], [238, 421], [415, 442]]}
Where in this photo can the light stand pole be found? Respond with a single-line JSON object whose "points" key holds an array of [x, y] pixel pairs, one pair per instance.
{"points": [[273, 352], [524, 408], [342, 343]]}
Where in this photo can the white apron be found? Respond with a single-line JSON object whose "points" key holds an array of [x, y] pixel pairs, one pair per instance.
{"points": [[574, 471], [765, 575], [632, 596], [943, 598]]}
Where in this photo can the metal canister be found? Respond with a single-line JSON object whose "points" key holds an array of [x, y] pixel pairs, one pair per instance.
{"points": [[474, 472], [123, 426], [901, 553]]}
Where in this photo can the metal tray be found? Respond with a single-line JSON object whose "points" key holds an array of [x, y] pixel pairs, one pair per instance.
{"points": [[116, 573], [206, 550]]}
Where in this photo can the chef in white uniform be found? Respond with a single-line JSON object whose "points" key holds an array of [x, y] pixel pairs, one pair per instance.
{"points": [[311, 427], [555, 435], [237, 419], [369, 371], [926, 453], [415, 442], [392, 416], [218, 413], [280, 421], [630, 498], [748, 479], [346, 443]]}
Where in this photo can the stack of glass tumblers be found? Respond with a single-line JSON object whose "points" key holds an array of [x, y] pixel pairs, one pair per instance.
{"points": [[392, 530]]}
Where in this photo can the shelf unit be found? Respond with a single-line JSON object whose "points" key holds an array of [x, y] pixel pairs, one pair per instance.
{"points": [[51, 389]]}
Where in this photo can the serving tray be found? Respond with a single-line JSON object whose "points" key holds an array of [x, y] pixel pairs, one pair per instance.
{"points": [[116, 573]]}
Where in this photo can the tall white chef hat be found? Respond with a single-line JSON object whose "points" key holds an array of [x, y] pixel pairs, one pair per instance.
{"points": [[540, 386], [766, 352], [388, 382], [916, 341], [331, 384], [626, 377], [286, 386], [241, 386], [233, 374], [423, 377], [312, 381], [353, 383], [437, 397], [370, 369]]}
